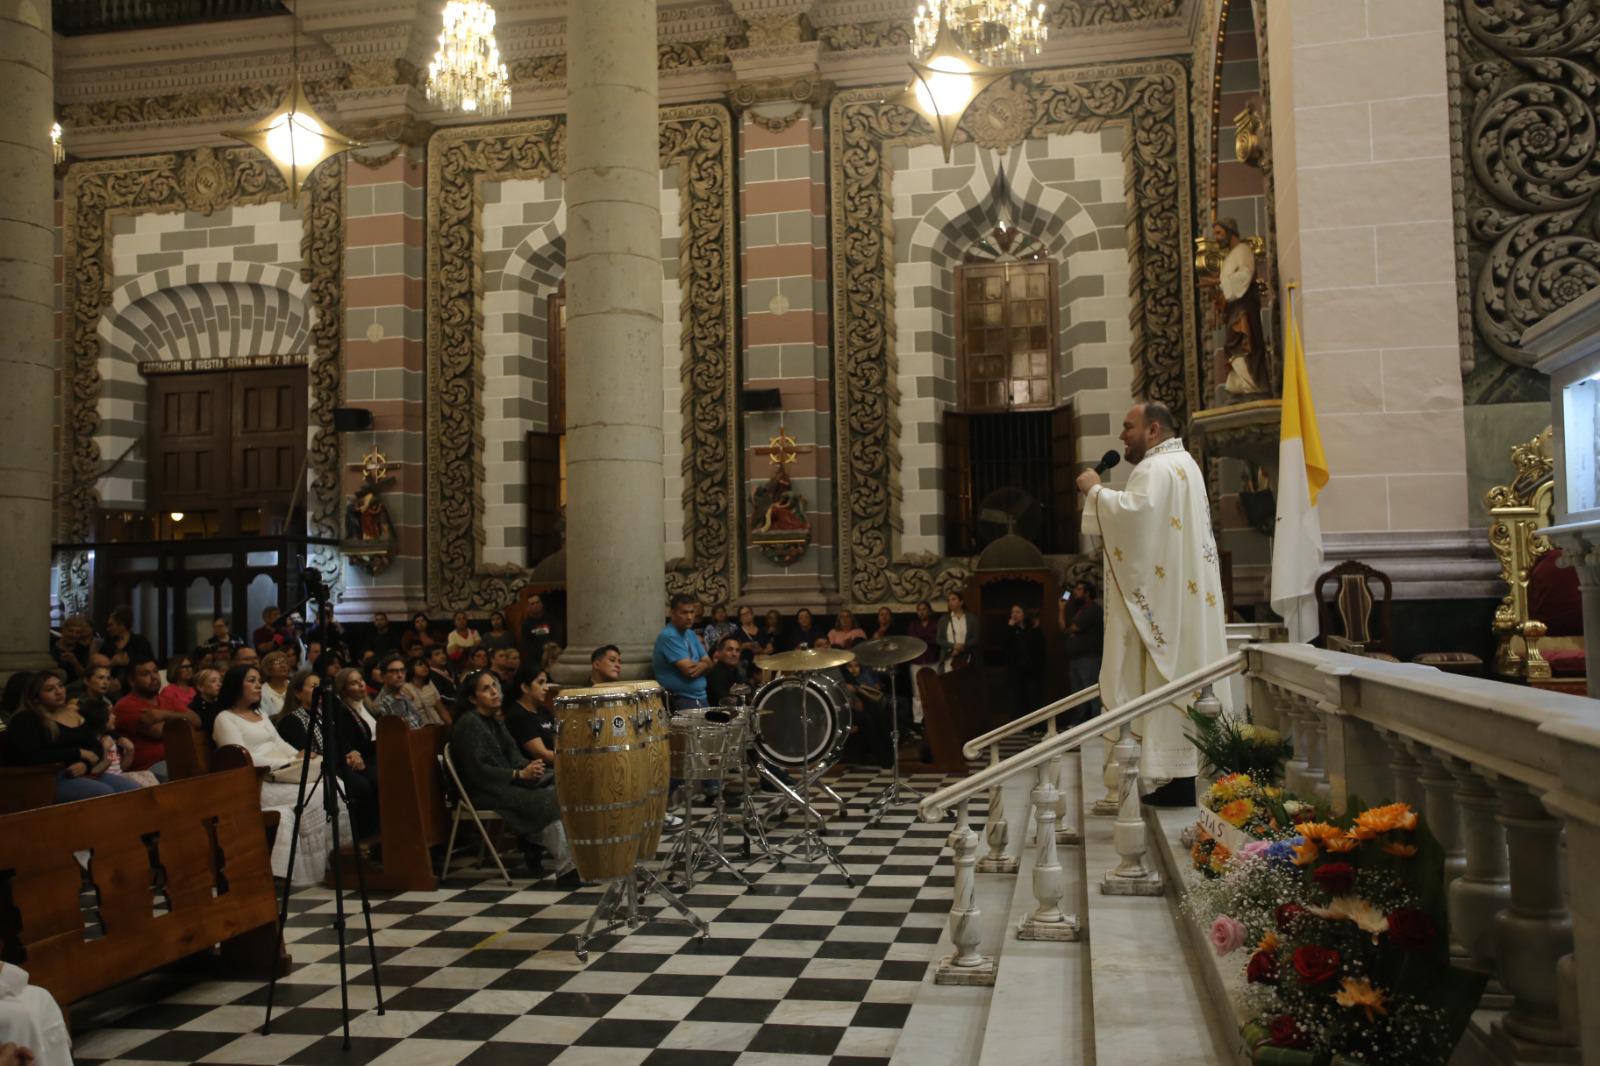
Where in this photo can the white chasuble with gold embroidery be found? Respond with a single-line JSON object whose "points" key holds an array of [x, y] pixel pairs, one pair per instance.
{"points": [[1163, 597]]}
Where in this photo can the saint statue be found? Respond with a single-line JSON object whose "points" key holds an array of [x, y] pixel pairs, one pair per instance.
{"points": [[1241, 366], [777, 506]]}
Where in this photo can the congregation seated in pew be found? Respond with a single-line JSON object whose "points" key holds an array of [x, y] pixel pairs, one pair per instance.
{"points": [[355, 731], [242, 723], [48, 729]]}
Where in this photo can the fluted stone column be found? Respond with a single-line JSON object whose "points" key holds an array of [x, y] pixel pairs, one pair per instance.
{"points": [[615, 541], [27, 361]]}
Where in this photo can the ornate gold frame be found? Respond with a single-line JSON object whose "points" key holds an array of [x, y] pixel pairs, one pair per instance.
{"points": [[1152, 98], [201, 180], [699, 138]]}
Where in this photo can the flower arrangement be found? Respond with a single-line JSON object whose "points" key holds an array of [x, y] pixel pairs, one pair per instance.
{"points": [[1238, 808], [1229, 745], [1350, 956]]}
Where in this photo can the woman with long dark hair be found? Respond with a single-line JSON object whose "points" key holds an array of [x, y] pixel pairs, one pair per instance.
{"points": [[495, 772], [356, 731], [242, 723], [47, 729]]}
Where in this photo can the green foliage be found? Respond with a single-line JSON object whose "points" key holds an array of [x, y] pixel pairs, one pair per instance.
{"points": [[1228, 745]]}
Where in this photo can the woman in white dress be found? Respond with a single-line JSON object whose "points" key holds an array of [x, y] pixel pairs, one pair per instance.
{"points": [[274, 682], [241, 722]]}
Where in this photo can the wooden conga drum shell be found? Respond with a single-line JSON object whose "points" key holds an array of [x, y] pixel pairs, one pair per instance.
{"points": [[603, 780], [652, 699]]}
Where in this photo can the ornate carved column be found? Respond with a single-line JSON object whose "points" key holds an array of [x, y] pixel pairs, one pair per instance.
{"points": [[27, 321], [615, 568]]}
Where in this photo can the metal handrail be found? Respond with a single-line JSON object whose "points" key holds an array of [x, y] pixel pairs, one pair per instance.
{"points": [[935, 806], [974, 747]]}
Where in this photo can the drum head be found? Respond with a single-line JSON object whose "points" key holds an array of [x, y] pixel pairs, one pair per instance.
{"points": [[808, 724]]}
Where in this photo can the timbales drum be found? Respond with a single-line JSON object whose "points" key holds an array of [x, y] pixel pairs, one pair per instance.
{"points": [[654, 699], [707, 742], [801, 720], [611, 778]]}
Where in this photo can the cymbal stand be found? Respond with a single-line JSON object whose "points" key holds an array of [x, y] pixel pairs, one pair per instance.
{"points": [[619, 906], [808, 845], [697, 843], [891, 794]]}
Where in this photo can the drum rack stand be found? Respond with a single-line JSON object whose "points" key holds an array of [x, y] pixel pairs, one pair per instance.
{"points": [[807, 845], [880, 804], [619, 906], [697, 842]]}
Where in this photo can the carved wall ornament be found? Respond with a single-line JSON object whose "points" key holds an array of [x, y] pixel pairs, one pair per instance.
{"points": [[202, 180], [805, 93], [698, 139], [545, 70], [865, 124], [224, 102], [1076, 13], [1250, 138], [776, 30], [853, 36], [1528, 176], [1002, 116]]}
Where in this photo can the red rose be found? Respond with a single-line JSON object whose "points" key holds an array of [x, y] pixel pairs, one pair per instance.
{"points": [[1337, 877], [1410, 928], [1286, 914], [1315, 965], [1262, 969], [1286, 1033]]}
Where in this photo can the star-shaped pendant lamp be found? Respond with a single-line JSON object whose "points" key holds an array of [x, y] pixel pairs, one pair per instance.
{"points": [[295, 138], [946, 82]]}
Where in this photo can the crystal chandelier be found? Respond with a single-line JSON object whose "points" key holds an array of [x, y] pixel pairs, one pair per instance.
{"points": [[466, 73], [996, 32]]}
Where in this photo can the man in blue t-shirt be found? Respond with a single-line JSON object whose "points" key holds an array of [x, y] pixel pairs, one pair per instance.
{"points": [[679, 661]]}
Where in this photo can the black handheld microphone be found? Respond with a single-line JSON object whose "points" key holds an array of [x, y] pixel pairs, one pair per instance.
{"points": [[1107, 461]]}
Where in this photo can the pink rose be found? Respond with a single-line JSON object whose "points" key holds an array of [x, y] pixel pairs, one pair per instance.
{"points": [[1255, 848], [1227, 935]]}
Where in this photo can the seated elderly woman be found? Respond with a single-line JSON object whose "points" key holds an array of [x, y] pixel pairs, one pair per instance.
{"points": [[241, 722], [48, 729], [499, 777]]}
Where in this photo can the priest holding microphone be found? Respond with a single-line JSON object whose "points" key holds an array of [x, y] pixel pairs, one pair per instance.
{"points": [[1162, 592]]}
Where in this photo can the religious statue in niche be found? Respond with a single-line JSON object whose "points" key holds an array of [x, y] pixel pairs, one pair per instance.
{"points": [[1241, 365], [368, 533], [779, 527]]}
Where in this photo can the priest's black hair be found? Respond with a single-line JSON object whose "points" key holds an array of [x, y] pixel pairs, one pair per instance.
{"points": [[1159, 413]]}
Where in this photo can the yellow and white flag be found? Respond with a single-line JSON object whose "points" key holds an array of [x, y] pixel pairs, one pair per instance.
{"points": [[1302, 472]]}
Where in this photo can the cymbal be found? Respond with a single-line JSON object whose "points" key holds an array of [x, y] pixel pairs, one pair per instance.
{"points": [[805, 659], [889, 651]]}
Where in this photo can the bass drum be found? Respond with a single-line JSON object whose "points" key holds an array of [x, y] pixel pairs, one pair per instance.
{"points": [[800, 709]]}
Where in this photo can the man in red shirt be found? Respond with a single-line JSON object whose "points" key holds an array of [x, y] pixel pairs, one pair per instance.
{"points": [[142, 719]]}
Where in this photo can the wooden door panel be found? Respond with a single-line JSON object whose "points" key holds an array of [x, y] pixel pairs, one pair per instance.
{"points": [[1064, 499], [544, 495]]}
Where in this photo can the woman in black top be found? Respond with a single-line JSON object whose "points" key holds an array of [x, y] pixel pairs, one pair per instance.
{"points": [[751, 635], [529, 719], [48, 729], [356, 733], [494, 771], [777, 633], [806, 631]]}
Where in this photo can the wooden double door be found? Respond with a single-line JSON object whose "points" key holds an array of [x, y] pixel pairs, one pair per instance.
{"points": [[227, 446]]}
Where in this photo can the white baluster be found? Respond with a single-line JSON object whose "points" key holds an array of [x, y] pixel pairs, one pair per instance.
{"points": [[1444, 820], [1047, 922], [1405, 773], [1317, 747], [1294, 724], [1131, 877], [996, 829], [1484, 887], [1534, 932], [1111, 777], [967, 966]]}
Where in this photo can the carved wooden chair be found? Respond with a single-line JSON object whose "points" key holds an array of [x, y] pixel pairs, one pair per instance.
{"points": [[1353, 619]]}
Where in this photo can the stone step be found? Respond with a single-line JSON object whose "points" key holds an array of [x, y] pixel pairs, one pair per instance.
{"points": [[946, 1023], [1148, 985], [1041, 1005]]}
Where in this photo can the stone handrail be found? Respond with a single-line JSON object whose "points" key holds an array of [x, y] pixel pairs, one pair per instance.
{"points": [[1502, 773], [974, 747], [937, 805]]}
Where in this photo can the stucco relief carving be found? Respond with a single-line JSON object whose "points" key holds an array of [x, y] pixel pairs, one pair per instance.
{"points": [[1528, 175], [1073, 13], [202, 180], [865, 124], [698, 139]]}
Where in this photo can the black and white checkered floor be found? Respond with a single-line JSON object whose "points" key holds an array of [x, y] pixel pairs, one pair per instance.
{"points": [[801, 970]]}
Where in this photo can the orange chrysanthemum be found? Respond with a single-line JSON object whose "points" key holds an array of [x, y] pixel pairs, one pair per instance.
{"points": [[1237, 813], [1340, 845], [1405, 851], [1318, 830], [1305, 853], [1358, 992], [1268, 942], [1386, 819]]}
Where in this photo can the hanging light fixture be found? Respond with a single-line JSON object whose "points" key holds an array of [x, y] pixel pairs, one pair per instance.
{"points": [[294, 137], [945, 83], [466, 73], [996, 32], [58, 151]]}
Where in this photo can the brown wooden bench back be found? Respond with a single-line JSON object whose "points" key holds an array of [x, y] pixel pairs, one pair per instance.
{"points": [[411, 801], [208, 837], [947, 723], [188, 750]]}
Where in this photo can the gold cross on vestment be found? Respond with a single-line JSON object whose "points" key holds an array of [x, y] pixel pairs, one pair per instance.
{"points": [[1161, 571], [1177, 523], [783, 449]]}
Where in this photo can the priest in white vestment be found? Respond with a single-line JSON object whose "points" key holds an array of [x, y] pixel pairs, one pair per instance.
{"points": [[1163, 588]]}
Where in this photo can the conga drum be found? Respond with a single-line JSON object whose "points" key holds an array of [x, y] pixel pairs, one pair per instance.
{"points": [[606, 779], [652, 699]]}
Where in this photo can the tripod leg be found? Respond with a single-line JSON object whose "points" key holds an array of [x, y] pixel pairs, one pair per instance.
{"points": [[671, 900], [606, 898], [288, 881], [361, 883]]}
